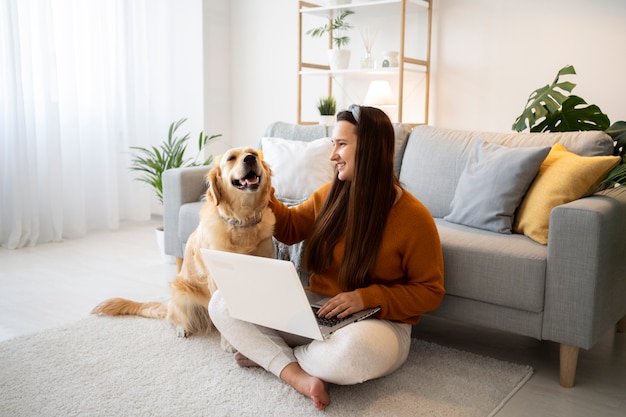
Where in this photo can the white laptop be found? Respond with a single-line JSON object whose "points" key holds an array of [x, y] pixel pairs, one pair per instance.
{"points": [[268, 292]]}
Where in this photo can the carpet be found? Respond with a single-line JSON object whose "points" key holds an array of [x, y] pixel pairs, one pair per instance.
{"points": [[128, 366]]}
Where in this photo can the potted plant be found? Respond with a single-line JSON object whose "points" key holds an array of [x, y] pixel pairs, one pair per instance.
{"points": [[338, 58], [153, 161], [327, 106], [551, 109]]}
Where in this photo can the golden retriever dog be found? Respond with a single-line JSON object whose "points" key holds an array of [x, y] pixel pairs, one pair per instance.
{"points": [[234, 218]]}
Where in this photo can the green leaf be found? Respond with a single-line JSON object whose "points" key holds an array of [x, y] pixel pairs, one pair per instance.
{"points": [[566, 70], [544, 101], [575, 114], [327, 106], [617, 175], [337, 24], [618, 132]]}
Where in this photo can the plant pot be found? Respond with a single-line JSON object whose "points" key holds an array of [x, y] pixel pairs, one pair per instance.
{"points": [[160, 237], [338, 59], [327, 120]]}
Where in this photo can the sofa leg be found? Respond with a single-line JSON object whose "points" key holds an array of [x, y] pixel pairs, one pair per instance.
{"points": [[620, 327], [179, 264], [569, 360]]}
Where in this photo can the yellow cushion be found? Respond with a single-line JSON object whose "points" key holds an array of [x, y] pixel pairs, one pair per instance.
{"points": [[563, 177]]}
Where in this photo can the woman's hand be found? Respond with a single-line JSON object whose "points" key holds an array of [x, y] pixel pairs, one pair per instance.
{"points": [[342, 305]]}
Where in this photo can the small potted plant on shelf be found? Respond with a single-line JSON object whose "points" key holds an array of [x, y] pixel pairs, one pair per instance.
{"points": [[327, 107], [153, 161], [338, 58]]}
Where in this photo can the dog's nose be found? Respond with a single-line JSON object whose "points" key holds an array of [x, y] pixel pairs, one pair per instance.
{"points": [[249, 159]]}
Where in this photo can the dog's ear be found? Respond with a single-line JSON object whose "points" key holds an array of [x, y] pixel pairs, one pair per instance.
{"points": [[267, 187], [214, 192]]}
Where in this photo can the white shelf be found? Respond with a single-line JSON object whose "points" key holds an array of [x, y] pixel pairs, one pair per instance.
{"points": [[370, 8], [394, 71], [410, 80]]}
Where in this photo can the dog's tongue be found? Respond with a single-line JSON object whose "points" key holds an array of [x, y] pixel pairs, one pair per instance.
{"points": [[249, 180]]}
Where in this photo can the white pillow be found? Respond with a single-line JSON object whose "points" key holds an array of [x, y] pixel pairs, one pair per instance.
{"points": [[298, 167]]}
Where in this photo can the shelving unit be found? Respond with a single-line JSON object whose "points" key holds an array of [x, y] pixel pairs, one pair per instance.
{"points": [[405, 26]]}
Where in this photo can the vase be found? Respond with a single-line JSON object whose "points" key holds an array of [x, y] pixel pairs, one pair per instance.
{"points": [[327, 120], [160, 237], [338, 59], [368, 61]]}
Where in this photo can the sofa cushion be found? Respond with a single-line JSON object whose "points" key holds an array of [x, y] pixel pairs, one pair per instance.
{"points": [[298, 167], [309, 133], [505, 270], [435, 157], [492, 185], [401, 132], [563, 177], [294, 131]]}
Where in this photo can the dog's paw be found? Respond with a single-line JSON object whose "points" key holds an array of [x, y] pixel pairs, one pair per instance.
{"points": [[226, 346], [181, 332]]}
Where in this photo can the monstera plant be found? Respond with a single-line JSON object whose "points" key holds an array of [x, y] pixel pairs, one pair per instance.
{"points": [[551, 108]]}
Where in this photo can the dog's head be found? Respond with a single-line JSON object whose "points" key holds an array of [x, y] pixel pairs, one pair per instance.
{"points": [[240, 170]]}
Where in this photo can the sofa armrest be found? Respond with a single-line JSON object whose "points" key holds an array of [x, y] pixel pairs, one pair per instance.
{"points": [[180, 186], [586, 273]]}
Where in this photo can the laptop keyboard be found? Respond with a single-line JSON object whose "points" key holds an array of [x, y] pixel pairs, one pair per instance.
{"points": [[323, 321]]}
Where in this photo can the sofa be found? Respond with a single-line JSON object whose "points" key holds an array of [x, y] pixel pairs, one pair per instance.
{"points": [[530, 245]]}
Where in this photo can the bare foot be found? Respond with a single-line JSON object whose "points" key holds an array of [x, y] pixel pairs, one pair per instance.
{"points": [[243, 361], [307, 385]]}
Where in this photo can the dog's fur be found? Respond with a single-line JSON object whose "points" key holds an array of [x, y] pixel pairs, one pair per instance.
{"points": [[235, 218]]}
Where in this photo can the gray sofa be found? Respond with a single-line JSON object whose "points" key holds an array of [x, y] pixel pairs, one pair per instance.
{"points": [[570, 290]]}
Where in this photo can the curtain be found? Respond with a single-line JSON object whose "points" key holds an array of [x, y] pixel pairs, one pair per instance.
{"points": [[78, 86]]}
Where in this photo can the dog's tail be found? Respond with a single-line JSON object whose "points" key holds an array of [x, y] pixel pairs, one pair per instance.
{"points": [[122, 307]]}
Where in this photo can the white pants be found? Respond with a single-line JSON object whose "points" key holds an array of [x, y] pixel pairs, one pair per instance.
{"points": [[355, 353]]}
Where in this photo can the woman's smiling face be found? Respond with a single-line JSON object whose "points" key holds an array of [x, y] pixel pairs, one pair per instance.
{"points": [[344, 149]]}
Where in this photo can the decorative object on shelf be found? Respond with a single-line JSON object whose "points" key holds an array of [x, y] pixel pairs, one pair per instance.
{"points": [[337, 58], [548, 109], [379, 95], [368, 35], [327, 107], [390, 59]]}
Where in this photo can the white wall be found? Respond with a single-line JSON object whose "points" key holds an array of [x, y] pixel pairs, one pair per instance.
{"points": [[491, 54], [264, 66], [487, 57], [217, 73], [175, 65]]}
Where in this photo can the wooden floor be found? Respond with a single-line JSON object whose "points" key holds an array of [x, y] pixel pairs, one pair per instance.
{"points": [[58, 283]]}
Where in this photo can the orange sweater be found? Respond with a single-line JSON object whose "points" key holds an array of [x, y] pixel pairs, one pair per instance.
{"points": [[407, 280]]}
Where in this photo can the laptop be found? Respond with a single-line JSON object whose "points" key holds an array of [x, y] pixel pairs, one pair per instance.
{"points": [[268, 292]]}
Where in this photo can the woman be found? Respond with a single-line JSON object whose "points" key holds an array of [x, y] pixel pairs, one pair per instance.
{"points": [[369, 243]]}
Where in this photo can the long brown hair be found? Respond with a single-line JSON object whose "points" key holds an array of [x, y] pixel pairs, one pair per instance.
{"points": [[359, 208]]}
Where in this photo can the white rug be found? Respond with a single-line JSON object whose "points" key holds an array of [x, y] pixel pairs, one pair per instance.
{"points": [[129, 366]]}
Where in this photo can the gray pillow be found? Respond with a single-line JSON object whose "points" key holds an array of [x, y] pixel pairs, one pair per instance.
{"points": [[492, 185]]}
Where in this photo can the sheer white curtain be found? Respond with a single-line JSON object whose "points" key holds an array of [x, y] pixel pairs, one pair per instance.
{"points": [[78, 85]]}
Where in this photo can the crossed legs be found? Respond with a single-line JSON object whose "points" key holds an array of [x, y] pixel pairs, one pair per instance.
{"points": [[358, 352]]}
